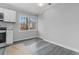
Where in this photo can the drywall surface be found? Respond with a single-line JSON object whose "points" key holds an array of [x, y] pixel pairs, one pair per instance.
{"points": [[60, 24]]}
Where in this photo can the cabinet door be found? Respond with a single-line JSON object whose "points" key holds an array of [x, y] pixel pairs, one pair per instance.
{"points": [[6, 15], [1, 10], [9, 37], [9, 15], [12, 16]]}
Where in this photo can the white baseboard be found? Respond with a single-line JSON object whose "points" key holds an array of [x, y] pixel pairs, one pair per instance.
{"points": [[24, 38], [64, 46]]}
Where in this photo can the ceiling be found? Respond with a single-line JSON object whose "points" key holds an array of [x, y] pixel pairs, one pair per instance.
{"points": [[32, 8]]}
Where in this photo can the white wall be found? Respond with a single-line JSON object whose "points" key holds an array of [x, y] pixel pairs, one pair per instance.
{"points": [[60, 25]]}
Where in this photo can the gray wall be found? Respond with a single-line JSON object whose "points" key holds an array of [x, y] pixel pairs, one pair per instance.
{"points": [[60, 25]]}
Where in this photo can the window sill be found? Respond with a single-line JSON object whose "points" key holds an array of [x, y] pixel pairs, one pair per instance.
{"points": [[27, 30]]}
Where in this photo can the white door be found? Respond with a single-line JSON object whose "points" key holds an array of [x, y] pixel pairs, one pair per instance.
{"points": [[9, 37]]}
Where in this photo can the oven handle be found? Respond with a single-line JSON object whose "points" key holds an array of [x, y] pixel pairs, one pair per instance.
{"points": [[2, 31]]}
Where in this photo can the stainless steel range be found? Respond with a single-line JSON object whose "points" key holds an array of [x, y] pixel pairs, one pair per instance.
{"points": [[6, 36], [2, 34]]}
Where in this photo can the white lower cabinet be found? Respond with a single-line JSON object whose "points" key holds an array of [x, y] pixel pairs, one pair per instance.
{"points": [[9, 37]]}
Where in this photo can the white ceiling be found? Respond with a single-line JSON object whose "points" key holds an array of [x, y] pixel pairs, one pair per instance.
{"points": [[29, 7]]}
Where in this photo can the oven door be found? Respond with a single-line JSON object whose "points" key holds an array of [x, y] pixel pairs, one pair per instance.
{"points": [[1, 16], [2, 36]]}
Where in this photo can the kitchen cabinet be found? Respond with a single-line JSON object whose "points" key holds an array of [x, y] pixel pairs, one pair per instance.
{"points": [[1, 10], [9, 37], [9, 15]]}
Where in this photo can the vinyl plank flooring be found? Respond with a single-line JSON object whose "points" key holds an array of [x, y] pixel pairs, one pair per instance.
{"points": [[32, 41], [36, 46], [45, 50]]}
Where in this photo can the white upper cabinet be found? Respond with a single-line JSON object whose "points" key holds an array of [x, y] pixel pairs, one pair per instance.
{"points": [[9, 15], [1, 10]]}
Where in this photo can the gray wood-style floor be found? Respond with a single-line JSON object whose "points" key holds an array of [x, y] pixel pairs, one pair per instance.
{"points": [[41, 47]]}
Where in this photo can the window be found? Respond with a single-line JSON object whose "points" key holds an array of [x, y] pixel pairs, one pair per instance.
{"points": [[23, 23], [27, 23], [32, 22]]}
